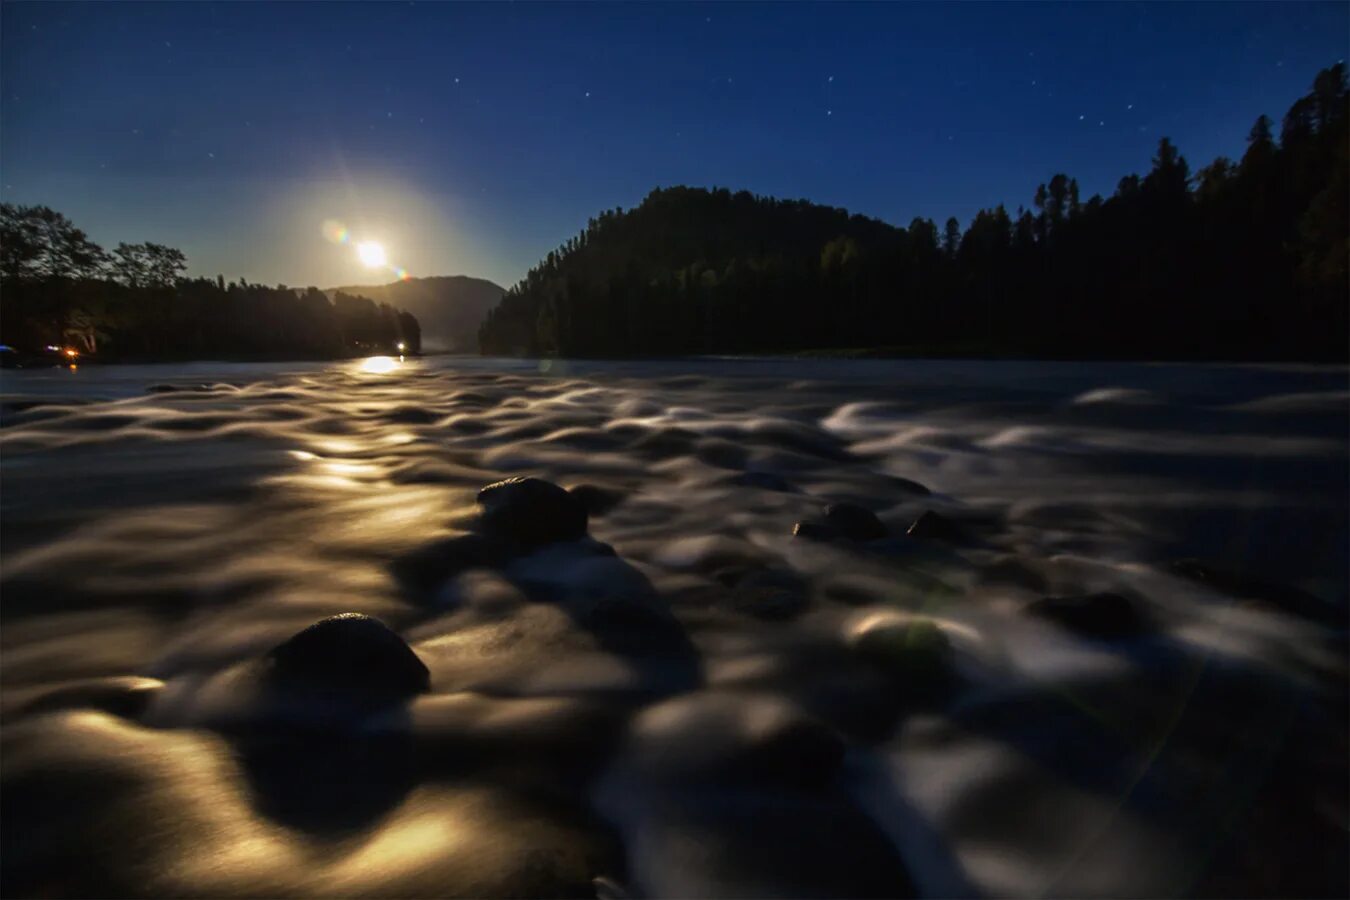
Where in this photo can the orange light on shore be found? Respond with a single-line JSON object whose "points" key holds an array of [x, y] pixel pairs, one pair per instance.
{"points": [[72, 352]]}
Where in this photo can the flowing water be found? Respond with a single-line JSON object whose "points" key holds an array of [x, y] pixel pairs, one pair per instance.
{"points": [[759, 728]]}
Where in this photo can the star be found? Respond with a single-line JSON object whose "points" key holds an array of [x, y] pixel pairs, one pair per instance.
{"points": [[456, 81], [1101, 123], [588, 93], [1129, 106], [830, 79], [829, 112], [210, 156], [1080, 118]]}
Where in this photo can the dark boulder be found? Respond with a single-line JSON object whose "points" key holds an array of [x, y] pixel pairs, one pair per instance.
{"points": [[916, 650], [532, 511], [933, 526], [854, 522], [351, 656], [1247, 586], [1101, 615], [597, 500], [910, 487], [815, 531]]}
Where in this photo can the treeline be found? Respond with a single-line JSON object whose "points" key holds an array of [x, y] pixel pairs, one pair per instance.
{"points": [[58, 288], [1244, 259]]}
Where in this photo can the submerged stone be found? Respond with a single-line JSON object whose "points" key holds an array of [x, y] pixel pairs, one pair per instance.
{"points": [[937, 527], [1101, 615], [1251, 587], [815, 531], [854, 522], [532, 511], [352, 655], [916, 649], [910, 487]]}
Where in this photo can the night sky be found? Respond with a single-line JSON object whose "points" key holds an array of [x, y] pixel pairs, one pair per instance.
{"points": [[474, 138]]}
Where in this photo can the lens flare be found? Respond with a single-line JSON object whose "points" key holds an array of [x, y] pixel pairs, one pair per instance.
{"points": [[336, 232], [371, 254]]}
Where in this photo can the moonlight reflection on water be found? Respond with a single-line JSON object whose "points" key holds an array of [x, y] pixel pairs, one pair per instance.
{"points": [[690, 701], [379, 365]]}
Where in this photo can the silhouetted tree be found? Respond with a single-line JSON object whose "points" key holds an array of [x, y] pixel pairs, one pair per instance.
{"points": [[148, 265], [57, 286]]}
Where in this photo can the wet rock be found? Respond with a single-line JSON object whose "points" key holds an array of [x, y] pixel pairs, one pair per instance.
{"points": [[431, 565], [765, 481], [815, 531], [1101, 615], [1011, 572], [914, 649], [353, 656], [1247, 586], [933, 526], [910, 487], [532, 511], [854, 522], [596, 499]]}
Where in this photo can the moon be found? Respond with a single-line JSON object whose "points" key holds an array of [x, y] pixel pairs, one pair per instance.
{"points": [[371, 254]]}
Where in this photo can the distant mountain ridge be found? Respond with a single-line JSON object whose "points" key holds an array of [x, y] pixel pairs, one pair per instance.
{"points": [[450, 308]]}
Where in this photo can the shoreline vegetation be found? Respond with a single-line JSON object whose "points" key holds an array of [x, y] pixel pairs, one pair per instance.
{"points": [[63, 298], [1242, 260]]}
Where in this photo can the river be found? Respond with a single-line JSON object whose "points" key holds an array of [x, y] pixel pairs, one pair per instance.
{"points": [[764, 729]]}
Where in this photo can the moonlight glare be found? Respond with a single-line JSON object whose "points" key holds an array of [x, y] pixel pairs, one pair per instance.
{"points": [[371, 254]]}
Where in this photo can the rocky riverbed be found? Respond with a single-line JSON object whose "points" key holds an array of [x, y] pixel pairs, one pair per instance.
{"points": [[709, 628]]}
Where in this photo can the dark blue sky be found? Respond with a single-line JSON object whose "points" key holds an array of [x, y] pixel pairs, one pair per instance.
{"points": [[474, 138]]}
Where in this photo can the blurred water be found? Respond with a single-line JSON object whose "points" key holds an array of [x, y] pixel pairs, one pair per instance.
{"points": [[163, 526]]}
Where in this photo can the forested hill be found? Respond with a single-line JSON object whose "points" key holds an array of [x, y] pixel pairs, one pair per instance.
{"points": [[450, 308], [1240, 259]]}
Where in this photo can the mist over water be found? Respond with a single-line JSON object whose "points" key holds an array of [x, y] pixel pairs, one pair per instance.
{"points": [[164, 527]]}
